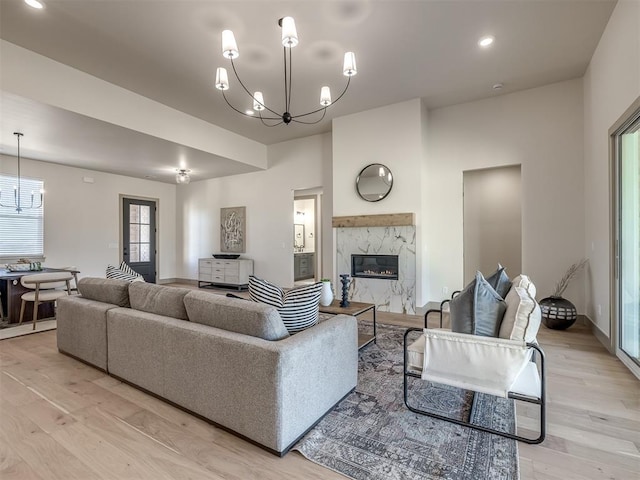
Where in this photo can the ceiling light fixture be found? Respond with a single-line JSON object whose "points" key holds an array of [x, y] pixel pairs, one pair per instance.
{"points": [[182, 177], [289, 40], [485, 42], [34, 4], [17, 188]]}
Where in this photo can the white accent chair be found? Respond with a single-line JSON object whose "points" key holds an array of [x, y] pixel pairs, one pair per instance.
{"points": [[506, 367], [47, 287]]}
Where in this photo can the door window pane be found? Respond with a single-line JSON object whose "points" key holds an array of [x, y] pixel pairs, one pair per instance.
{"points": [[134, 213], [144, 252], [134, 255], [144, 233], [145, 214], [134, 233], [629, 235]]}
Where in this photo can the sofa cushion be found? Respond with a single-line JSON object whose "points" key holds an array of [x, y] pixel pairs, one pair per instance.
{"points": [[522, 317], [298, 307], [152, 298], [118, 274], [235, 315], [115, 292]]}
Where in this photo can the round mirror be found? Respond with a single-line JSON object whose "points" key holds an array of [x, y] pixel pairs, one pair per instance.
{"points": [[374, 182]]}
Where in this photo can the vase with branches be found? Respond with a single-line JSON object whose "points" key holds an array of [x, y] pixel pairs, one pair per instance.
{"points": [[557, 312]]}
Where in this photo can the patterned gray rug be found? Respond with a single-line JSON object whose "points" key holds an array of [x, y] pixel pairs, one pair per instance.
{"points": [[371, 435]]}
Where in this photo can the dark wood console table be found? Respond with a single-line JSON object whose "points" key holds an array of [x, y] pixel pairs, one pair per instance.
{"points": [[12, 291], [355, 309]]}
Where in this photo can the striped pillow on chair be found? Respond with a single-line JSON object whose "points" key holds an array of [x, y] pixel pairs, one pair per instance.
{"points": [[298, 307]]}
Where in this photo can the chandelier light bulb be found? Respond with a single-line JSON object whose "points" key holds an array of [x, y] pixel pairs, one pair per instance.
{"points": [[325, 96], [229, 45], [34, 4], [485, 42], [222, 79], [258, 101], [349, 68], [289, 33]]}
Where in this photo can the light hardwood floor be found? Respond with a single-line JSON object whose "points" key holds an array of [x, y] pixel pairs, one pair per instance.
{"points": [[61, 419]]}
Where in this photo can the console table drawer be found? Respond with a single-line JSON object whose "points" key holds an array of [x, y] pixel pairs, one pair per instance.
{"points": [[225, 272]]}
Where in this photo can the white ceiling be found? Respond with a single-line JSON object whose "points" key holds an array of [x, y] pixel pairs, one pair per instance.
{"points": [[168, 51]]}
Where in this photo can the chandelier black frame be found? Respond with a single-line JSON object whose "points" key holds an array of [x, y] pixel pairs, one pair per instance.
{"points": [[17, 188], [289, 40]]}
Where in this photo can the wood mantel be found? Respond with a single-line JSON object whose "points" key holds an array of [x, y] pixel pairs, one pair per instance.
{"points": [[384, 220]]}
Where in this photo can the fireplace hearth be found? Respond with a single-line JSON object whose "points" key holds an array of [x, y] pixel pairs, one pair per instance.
{"points": [[374, 266]]}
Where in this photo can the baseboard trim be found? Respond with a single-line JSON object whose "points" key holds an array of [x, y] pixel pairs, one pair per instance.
{"points": [[600, 335]]}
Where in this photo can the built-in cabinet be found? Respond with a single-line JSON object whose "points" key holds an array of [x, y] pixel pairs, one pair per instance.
{"points": [[303, 265], [229, 273]]}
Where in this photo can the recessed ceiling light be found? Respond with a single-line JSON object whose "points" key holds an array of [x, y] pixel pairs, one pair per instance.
{"points": [[249, 112], [34, 4], [484, 42]]}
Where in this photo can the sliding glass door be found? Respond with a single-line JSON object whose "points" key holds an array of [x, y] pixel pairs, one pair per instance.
{"points": [[627, 154]]}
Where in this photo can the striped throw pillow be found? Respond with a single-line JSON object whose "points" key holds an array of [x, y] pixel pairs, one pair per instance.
{"points": [[298, 308], [127, 269], [115, 272]]}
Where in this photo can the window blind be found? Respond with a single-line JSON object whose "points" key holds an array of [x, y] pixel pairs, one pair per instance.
{"points": [[21, 233]]}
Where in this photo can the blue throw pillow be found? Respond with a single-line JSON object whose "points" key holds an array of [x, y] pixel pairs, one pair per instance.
{"points": [[500, 281], [488, 308]]}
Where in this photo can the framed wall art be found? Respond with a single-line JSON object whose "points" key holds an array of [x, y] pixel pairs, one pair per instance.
{"points": [[233, 229]]}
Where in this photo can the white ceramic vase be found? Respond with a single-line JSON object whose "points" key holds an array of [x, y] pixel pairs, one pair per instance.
{"points": [[326, 295]]}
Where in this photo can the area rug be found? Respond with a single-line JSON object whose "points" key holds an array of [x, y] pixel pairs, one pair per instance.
{"points": [[371, 435]]}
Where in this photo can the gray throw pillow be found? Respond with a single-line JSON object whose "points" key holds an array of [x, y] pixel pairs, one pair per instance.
{"points": [[461, 310], [488, 308], [500, 281]]}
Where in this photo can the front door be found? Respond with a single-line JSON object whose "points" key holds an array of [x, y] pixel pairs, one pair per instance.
{"points": [[139, 236]]}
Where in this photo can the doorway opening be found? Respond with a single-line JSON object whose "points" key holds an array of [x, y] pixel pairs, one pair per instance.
{"points": [[139, 236], [492, 221], [307, 252]]}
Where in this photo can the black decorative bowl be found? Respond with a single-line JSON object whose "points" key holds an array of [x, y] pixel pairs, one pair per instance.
{"points": [[558, 313], [226, 256]]}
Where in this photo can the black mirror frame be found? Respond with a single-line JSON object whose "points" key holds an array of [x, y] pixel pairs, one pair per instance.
{"points": [[358, 181]]}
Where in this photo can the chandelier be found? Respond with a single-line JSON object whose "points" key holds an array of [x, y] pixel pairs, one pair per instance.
{"points": [[16, 189], [274, 116], [182, 177]]}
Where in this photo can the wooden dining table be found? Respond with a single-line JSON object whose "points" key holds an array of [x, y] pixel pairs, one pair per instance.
{"points": [[12, 291]]}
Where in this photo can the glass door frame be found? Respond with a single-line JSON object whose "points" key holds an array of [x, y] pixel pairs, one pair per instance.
{"points": [[628, 119]]}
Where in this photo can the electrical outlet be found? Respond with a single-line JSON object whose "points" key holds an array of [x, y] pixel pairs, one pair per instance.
{"points": [[599, 308], [445, 290]]}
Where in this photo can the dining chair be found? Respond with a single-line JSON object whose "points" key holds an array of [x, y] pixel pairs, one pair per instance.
{"points": [[47, 287]]}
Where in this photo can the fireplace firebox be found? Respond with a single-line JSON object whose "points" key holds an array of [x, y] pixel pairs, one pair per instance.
{"points": [[374, 266]]}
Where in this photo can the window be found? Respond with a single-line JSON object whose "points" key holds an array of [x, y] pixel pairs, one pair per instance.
{"points": [[21, 233]]}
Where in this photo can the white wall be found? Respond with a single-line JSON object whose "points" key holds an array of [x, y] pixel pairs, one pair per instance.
{"points": [[81, 220], [308, 218], [393, 136], [541, 129], [611, 84], [268, 198]]}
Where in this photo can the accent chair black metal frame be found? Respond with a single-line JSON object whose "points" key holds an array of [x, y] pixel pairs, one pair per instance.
{"points": [[541, 401]]}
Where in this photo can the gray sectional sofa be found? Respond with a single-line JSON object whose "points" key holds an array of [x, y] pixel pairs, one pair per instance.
{"points": [[229, 361]]}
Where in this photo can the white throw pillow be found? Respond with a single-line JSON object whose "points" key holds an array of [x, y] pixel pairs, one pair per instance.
{"points": [[522, 317]]}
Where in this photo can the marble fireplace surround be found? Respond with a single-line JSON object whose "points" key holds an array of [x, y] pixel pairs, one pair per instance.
{"points": [[390, 234]]}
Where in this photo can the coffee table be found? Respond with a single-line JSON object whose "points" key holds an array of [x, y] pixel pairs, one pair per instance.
{"points": [[355, 309]]}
